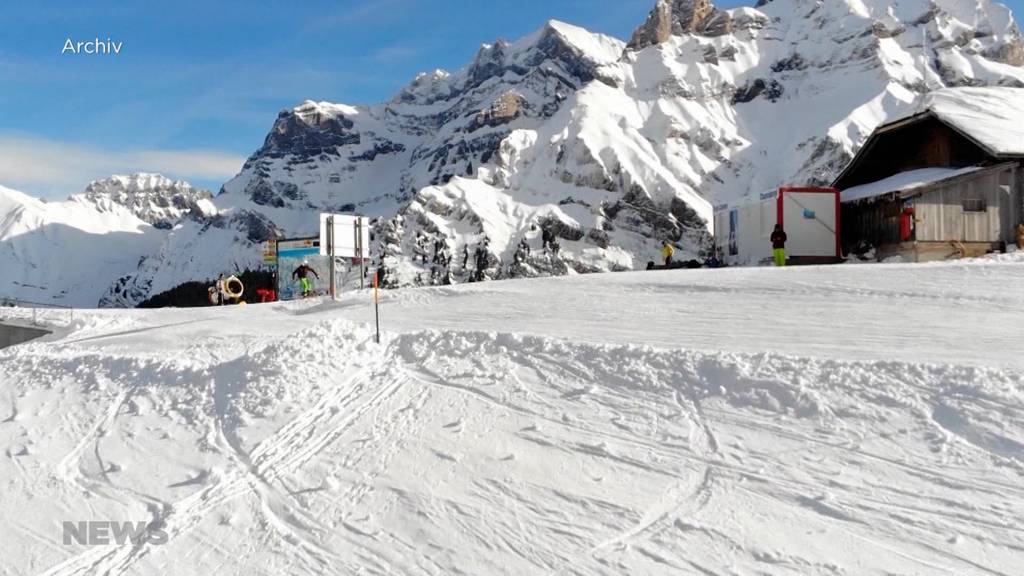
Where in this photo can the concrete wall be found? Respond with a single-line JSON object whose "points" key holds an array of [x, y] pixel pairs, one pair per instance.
{"points": [[11, 334]]}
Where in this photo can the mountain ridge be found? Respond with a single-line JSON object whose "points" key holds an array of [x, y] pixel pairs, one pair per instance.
{"points": [[612, 147]]}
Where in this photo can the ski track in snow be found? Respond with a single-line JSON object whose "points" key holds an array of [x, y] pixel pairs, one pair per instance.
{"points": [[282, 440]]}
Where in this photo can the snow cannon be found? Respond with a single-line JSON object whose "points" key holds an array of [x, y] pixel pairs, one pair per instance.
{"points": [[234, 288]]}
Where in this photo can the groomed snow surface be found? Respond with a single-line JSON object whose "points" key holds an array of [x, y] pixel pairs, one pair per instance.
{"points": [[854, 420]]}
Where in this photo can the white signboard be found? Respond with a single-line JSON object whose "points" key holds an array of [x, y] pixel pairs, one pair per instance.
{"points": [[350, 238]]}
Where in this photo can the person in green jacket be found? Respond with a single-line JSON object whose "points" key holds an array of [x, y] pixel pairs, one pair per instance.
{"points": [[779, 245]]}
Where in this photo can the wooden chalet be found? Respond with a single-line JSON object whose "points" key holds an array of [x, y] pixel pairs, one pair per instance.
{"points": [[945, 182]]}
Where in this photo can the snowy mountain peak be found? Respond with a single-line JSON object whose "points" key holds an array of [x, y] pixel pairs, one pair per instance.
{"points": [[597, 48], [576, 50], [319, 155], [310, 129], [313, 112], [426, 87], [153, 198]]}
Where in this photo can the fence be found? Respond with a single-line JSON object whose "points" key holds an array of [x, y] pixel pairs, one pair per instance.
{"points": [[39, 313]]}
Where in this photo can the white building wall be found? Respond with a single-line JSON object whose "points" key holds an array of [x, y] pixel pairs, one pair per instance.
{"points": [[809, 219], [743, 232]]}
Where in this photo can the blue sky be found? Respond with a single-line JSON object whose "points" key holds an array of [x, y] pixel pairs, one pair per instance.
{"points": [[198, 84]]}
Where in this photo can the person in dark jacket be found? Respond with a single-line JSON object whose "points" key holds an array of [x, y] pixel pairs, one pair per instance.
{"points": [[779, 245], [302, 274]]}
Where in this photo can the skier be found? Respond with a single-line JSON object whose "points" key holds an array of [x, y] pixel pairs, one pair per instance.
{"points": [[465, 255], [302, 274], [779, 245], [667, 251]]}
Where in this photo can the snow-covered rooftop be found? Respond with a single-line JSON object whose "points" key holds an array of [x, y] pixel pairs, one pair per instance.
{"points": [[904, 181], [991, 116]]}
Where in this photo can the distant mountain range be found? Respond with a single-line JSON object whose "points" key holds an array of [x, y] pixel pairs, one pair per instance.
{"points": [[611, 146]]}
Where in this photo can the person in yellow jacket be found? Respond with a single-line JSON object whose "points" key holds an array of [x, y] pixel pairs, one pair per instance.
{"points": [[667, 251]]}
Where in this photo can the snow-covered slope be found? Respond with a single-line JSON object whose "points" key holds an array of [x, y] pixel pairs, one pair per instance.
{"points": [[848, 420], [611, 147], [67, 252], [89, 250]]}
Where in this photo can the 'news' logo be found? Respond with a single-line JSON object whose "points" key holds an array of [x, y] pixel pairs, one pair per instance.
{"points": [[105, 532]]}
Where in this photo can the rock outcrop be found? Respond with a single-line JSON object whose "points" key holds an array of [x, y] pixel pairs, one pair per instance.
{"points": [[677, 17]]}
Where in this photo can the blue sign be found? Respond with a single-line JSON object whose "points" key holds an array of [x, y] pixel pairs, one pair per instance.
{"points": [[809, 214]]}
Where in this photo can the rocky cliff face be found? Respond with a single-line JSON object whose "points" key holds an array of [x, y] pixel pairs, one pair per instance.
{"points": [[153, 198], [609, 148], [679, 17]]}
